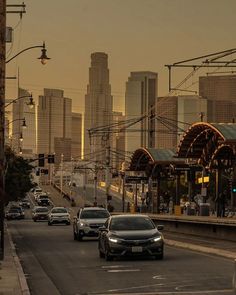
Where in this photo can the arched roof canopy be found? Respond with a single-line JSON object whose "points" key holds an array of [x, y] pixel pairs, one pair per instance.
{"points": [[196, 137], [211, 144], [142, 158]]}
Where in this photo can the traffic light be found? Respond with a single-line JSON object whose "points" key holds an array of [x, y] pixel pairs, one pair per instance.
{"points": [[41, 160], [234, 186], [51, 159]]}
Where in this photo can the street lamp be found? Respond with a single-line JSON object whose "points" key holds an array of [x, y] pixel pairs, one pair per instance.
{"points": [[30, 103], [43, 58], [21, 119]]}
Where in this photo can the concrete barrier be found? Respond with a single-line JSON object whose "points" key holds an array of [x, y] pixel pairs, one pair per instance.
{"points": [[199, 226]]}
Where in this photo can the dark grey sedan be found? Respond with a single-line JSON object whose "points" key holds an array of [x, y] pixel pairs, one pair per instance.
{"points": [[134, 234]]}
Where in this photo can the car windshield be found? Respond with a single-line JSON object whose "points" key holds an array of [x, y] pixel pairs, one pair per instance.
{"points": [[43, 197], [59, 210], [131, 223], [92, 214], [16, 208], [41, 210]]}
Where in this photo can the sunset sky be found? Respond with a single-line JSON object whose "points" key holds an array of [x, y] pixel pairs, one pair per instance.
{"points": [[137, 35]]}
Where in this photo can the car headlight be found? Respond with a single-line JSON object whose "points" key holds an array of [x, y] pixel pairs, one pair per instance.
{"points": [[83, 224], [157, 239], [113, 240]]}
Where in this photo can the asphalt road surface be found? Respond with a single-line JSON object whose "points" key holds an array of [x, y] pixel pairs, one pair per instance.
{"points": [[56, 264]]}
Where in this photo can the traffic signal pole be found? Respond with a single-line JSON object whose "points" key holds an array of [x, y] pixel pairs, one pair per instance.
{"points": [[2, 119]]}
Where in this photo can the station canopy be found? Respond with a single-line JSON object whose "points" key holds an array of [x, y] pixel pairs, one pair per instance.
{"points": [[144, 157], [199, 134]]}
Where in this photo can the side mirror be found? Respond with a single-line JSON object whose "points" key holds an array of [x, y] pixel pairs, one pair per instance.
{"points": [[160, 227]]}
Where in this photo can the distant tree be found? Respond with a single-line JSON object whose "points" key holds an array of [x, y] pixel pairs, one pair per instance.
{"points": [[18, 179]]}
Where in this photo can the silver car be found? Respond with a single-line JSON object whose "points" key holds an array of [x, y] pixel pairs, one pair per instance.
{"points": [[59, 215], [88, 221]]}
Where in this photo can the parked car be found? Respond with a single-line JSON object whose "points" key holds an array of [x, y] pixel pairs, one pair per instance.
{"points": [[40, 213], [59, 215], [15, 212], [43, 200], [130, 235], [24, 203], [88, 221]]}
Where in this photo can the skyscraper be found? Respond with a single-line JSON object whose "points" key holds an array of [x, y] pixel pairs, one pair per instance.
{"points": [[178, 113], [98, 107], [21, 110], [220, 92], [76, 135], [54, 124], [140, 96]]}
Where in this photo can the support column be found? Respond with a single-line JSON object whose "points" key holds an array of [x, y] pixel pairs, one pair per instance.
{"points": [[2, 120], [177, 196]]}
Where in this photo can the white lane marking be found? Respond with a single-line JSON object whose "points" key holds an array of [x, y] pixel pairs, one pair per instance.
{"points": [[114, 266], [138, 287], [159, 277], [123, 270]]}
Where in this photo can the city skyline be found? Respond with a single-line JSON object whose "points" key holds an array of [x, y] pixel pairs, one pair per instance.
{"points": [[139, 35]]}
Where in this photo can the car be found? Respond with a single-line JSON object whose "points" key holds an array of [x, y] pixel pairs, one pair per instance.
{"points": [[131, 234], [24, 203], [19, 209], [88, 221], [59, 215], [40, 213], [43, 200], [13, 213]]}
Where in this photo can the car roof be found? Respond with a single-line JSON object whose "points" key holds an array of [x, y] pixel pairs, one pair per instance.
{"points": [[93, 208], [130, 216], [36, 207]]}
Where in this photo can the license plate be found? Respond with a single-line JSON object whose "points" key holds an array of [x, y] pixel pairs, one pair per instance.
{"points": [[137, 249]]}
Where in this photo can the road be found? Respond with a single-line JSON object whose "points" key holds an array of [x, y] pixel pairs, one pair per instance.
{"points": [[56, 264]]}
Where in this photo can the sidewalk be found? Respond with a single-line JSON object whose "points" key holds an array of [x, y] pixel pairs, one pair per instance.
{"points": [[12, 278]]}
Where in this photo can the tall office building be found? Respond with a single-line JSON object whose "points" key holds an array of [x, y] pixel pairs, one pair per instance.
{"points": [[220, 92], [76, 135], [178, 113], [140, 96], [21, 110], [54, 124], [98, 107]]}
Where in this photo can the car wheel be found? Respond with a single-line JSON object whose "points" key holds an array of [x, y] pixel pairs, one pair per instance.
{"points": [[159, 256], [35, 220], [107, 255], [68, 223], [80, 237], [49, 223]]}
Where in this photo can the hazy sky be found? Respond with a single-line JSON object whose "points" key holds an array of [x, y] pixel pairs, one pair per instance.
{"points": [[137, 35]]}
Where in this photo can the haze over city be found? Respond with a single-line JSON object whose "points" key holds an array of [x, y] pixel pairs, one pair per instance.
{"points": [[137, 35]]}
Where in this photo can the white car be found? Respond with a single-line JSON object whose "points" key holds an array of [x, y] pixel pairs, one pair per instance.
{"points": [[59, 215], [88, 222]]}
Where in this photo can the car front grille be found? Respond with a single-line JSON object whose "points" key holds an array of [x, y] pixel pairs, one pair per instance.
{"points": [[132, 243], [95, 225]]}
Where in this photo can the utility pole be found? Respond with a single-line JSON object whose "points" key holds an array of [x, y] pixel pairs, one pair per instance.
{"points": [[61, 175], [2, 118], [107, 171], [95, 184]]}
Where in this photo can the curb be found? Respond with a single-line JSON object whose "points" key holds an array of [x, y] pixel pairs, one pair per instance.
{"points": [[21, 276], [203, 249]]}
